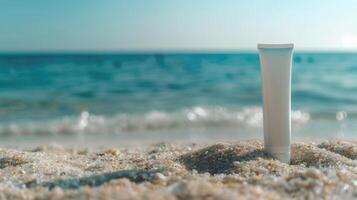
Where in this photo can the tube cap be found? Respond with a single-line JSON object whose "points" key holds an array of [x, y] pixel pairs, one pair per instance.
{"points": [[275, 46]]}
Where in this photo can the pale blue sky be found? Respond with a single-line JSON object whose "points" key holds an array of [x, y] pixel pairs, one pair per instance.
{"points": [[117, 25]]}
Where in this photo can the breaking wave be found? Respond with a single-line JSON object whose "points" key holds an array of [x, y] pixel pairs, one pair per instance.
{"points": [[195, 117]]}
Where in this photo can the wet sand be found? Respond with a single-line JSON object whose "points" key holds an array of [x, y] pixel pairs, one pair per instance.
{"points": [[238, 170]]}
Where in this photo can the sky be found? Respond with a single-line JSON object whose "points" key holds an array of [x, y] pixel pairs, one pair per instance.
{"points": [[172, 25]]}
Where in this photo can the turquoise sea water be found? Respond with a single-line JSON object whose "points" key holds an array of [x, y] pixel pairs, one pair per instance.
{"points": [[166, 96]]}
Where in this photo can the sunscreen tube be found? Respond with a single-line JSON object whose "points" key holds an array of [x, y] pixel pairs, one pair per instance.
{"points": [[275, 62]]}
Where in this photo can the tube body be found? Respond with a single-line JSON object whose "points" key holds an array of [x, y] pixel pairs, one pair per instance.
{"points": [[275, 62]]}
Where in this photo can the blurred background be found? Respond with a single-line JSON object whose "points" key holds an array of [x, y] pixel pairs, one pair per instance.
{"points": [[126, 72]]}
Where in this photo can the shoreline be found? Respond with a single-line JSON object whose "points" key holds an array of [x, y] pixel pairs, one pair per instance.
{"points": [[180, 171]]}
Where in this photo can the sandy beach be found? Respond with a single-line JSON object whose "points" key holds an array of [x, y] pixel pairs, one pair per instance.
{"points": [[178, 100], [239, 170]]}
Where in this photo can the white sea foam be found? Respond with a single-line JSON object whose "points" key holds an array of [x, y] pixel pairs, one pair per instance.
{"points": [[195, 117]]}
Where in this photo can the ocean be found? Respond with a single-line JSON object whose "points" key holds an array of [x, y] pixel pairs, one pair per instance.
{"points": [[132, 98]]}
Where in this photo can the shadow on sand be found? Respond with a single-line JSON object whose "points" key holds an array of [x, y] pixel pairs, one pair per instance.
{"points": [[219, 158], [136, 176]]}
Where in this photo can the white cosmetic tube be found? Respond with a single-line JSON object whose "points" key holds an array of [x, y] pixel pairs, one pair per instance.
{"points": [[275, 62]]}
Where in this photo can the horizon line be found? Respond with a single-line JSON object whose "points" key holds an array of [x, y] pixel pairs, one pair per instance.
{"points": [[166, 51]]}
